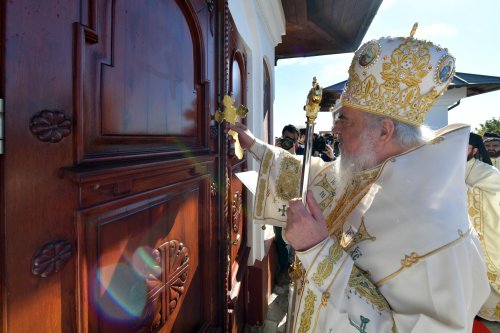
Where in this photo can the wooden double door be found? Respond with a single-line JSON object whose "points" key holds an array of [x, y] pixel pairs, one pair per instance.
{"points": [[120, 211]]}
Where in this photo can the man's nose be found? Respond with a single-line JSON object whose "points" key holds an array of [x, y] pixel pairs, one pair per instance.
{"points": [[335, 129]]}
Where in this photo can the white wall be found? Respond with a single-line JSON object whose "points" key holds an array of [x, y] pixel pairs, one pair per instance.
{"points": [[437, 117], [261, 23]]}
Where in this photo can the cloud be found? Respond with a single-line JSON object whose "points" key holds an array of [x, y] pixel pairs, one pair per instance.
{"points": [[438, 30], [386, 5], [294, 61], [336, 70]]}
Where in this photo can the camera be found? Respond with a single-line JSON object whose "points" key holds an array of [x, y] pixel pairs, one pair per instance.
{"points": [[319, 144], [286, 142]]}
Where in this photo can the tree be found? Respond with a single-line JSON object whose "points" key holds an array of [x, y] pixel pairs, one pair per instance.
{"points": [[492, 125]]}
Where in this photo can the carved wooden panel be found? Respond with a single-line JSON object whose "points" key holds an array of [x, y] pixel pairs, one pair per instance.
{"points": [[236, 225], [136, 81], [142, 79], [147, 273]]}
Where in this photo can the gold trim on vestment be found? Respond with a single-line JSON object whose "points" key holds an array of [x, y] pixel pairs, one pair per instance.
{"points": [[288, 182], [326, 294], [413, 258], [491, 314], [475, 204], [307, 312], [362, 234], [261, 195], [349, 200], [365, 288], [325, 267]]}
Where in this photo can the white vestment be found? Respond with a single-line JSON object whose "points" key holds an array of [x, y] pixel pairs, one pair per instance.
{"points": [[496, 162], [483, 181], [407, 258]]}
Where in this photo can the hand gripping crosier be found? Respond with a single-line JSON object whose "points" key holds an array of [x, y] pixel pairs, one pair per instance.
{"points": [[312, 108], [231, 114]]}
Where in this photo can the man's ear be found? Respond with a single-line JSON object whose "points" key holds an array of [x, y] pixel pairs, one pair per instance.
{"points": [[386, 131]]}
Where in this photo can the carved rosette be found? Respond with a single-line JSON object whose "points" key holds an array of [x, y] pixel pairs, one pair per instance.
{"points": [[178, 268], [51, 258], [165, 279], [50, 126]]}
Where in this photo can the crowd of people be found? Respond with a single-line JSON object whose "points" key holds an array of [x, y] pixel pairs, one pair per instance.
{"points": [[400, 232], [293, 140]]}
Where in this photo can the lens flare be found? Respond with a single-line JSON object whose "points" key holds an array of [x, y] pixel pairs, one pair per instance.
{"points": [[122, 292], [123, 288]]}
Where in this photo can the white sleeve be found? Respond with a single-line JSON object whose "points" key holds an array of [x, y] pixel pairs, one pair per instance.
{"points": [[257, 149]]}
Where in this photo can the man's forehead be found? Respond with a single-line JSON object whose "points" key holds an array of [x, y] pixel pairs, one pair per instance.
{"points": [[347, 112]]}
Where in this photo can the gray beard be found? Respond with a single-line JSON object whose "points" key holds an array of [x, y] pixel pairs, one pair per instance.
{"points": [[349, 165]]}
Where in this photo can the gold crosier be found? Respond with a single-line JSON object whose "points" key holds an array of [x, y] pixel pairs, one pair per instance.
{"points": [[312, 108]]}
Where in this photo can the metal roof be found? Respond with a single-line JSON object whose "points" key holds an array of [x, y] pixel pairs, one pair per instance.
{"points": [[476, 84]]}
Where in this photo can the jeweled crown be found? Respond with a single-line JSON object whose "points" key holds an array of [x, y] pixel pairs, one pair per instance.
{"points": [[400, 78]]}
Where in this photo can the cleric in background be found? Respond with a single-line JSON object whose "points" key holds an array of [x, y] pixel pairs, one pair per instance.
{"points": [[483, 182]]}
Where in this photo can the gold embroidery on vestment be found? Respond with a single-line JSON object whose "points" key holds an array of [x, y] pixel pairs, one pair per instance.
{"points": [[351, 197], [366, 289], [361, 235], [330, 192], [437, 139], [492, 314], [324, 298], [288, 182], [267, 161], [325, 267], [475, 205], [260, 196], [307, 313]]}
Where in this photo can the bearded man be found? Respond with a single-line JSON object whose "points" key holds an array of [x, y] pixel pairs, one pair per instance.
{"points": [[385, 242], [483, 183], [493, 147]]}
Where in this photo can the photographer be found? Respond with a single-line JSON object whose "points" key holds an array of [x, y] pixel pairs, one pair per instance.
{"points": [[322, 148], [288, 139], [301, 141]]}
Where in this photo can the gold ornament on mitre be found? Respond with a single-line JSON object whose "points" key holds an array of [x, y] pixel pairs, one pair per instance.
{"points": [[313, 99], [400, 78], [232, 114]]}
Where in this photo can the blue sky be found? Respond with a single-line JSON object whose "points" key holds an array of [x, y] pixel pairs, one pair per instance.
{"points": [[469, 29]]}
